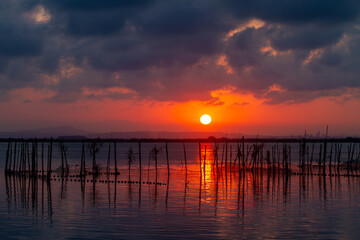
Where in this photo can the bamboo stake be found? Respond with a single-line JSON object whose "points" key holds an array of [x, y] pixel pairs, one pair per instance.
{"points": [[108, 161], [14, 166], [320, 152], [82, 164], [226, 155], [116, 171], [10, 158], [7, 157], [185, 158], [167, 158], [200, 157], [42, 159], [325, 148], [243, 155], [204, 163], [139, 146], [230, 157]]}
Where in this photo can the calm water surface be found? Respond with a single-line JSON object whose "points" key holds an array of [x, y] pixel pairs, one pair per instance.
{"points": [[195, 206]]}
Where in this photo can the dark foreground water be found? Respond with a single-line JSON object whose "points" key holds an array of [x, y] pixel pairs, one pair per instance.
{"points": [[228, 205], [253, 206]]}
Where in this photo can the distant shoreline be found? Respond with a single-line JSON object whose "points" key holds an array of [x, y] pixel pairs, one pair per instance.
{"points": [[185, 140]]}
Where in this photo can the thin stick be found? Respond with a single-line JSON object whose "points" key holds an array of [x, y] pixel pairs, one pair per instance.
{"points": [[185, 158], [200, 157], [42, 159], [116, 171], [7, 157], [139, 145], [167, 158]]}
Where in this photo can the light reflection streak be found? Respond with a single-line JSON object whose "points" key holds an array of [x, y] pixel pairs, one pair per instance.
{"points": [[222, 193]]}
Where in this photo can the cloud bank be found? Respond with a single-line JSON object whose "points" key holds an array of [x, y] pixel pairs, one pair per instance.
{"points": [[281, 51]]}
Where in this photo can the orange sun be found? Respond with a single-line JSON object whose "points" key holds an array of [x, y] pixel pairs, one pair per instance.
{"points": [[205, 119]]}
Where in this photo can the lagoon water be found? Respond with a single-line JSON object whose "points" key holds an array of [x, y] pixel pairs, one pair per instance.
{"points": [[254, 205]]}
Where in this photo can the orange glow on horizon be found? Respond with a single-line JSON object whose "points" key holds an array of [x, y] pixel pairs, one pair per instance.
{"points": [[235, 112]]}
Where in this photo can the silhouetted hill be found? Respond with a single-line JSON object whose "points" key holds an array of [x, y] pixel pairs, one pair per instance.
{"points": [[69, 132], [45, 132]]}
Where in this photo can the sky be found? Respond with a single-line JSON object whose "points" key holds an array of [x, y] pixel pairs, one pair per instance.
{"points": [[257, 67]]}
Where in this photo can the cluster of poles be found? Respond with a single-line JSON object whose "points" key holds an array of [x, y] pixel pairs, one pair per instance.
{"points": [[250, 157], [31, 156], [332, 159], [20, 159], [23, 157]]}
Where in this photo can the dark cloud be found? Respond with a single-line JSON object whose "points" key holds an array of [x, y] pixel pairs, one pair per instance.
{"points": [[17, 39], [94, 23], [169, 50], [306, 37], [94, 5], [296, 12]]}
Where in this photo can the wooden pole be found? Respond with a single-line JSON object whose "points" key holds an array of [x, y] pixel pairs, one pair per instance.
{"points": [[82, 164], [50, 158], [62, 159], [325, 148], [226, 154], [116, 171], [47, 159], [10, 157], [36, 158], [230, 157], [33, 156], [320, 152], [238, 155], [7, 157], [156, 152], [140, 164], [200, 157], [27, 149], [243, 154], [23, 158], [14, 162], [185, 158], [42, 159], [290, 156], [108, 161], [18, 158], [204, 163], [167, 158]]}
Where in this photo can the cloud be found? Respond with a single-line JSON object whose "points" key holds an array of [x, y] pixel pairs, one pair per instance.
{"points": [[296, 12], [180, 50]]}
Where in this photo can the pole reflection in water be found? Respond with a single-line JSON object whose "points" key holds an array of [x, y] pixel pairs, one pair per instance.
{"points": [[224, 198]]}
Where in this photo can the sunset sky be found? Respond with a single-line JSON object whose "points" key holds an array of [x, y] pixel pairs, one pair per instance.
{"points": [[257, 66]]}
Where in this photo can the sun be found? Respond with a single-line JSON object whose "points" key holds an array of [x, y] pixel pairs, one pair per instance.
{"points": [[205, 119]]}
